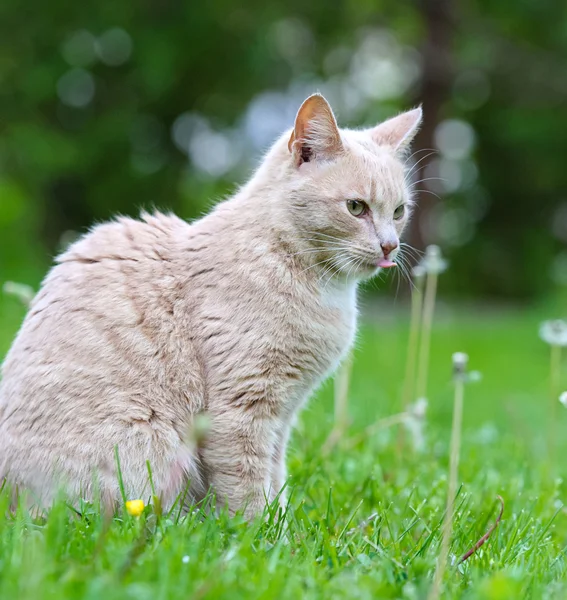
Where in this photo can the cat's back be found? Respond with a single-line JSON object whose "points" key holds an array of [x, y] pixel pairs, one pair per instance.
{"points": [[102, 329], [111, 284]]}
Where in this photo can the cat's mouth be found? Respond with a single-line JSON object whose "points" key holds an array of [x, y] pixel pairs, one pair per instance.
{"points": [[385, 263], [380, 263]]}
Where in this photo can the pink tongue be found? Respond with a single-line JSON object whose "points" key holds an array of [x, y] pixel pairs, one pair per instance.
{"points": [[385, 264]]}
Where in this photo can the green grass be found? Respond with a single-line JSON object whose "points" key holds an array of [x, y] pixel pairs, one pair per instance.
{"points": [[363, 522]]}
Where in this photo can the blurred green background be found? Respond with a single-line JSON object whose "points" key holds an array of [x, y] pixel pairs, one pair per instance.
{"points": [[111, 106]]}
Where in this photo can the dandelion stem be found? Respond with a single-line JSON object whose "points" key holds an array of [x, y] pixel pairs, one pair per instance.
{"points": [[413, 344], [554, 377], [341, 386], [426, 323], [386, 422], [555, 369], [415, 323], [342, 381], [452, 487]]}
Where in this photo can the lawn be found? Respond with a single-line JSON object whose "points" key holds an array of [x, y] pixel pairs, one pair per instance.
{"points": [[363, 522]]}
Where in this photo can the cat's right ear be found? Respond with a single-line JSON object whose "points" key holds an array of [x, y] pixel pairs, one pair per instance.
{"points": [[315, 133]]}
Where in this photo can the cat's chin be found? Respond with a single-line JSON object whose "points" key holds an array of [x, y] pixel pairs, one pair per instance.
{"points": [[369, 270]]}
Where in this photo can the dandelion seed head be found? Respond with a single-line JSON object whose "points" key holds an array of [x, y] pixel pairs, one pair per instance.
{"points": [[418, 272], [433, 261], [475, 376], [185, 559], [554, 332], [563, 399], [415, 423], [24, 293], [460, 360], [419, 409]]}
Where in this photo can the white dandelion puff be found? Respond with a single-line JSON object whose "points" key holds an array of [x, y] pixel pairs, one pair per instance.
{"points": [[474, 376], [418, 272], [554, 332], [460, 362], [414, 422], [24, 293], [433, 261]]}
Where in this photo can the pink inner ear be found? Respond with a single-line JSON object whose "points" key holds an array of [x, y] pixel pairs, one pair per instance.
{"points": [[315, 131]]}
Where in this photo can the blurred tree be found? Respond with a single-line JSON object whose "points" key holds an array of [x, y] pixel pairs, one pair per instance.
{"points": [[434, 93], [108, 107]]}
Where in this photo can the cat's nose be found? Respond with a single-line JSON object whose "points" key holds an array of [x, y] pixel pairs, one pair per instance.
{"points": [[388, 247]]}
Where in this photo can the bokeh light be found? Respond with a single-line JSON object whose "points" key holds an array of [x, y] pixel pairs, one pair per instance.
{"points": [[76, 88]]}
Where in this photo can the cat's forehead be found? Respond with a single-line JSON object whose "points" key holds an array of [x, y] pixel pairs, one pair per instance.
{"points": [[360, 145], [370, 171]]}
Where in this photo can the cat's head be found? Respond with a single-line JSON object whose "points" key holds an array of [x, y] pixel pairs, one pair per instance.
{"points": [[347, 191]]}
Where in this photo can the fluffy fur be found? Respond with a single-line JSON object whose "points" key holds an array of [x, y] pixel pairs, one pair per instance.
{"points": [[142, 325]]}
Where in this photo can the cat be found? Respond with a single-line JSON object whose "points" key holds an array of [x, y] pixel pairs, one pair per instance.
{"points": [[142, 326]]}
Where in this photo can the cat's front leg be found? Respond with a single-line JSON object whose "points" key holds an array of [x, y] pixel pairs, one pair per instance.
{"points": [[237, 457]]}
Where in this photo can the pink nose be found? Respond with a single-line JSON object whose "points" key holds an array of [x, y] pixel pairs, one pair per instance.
{"points": [[388, 247]]}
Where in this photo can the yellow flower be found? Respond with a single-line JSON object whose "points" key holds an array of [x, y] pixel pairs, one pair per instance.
{"points": [[135, 507]]}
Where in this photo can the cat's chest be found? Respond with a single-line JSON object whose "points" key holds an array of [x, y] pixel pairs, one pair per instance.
{"points": [[315, 331], [291, 338], [332, 318]]}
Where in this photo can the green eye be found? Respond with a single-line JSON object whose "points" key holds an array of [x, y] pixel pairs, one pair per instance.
{"points": [[399, 212], [356, 207]]}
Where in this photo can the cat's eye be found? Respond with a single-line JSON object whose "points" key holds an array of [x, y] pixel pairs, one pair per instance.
{"points": [[356, 207], [399, 212]]}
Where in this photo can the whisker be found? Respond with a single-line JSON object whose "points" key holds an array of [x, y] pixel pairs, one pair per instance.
{"points": [[427, 192], [322, 249], [356, 263], [415, 165], [312, 266], [398, 278], [405, 274], [410, 247], [338, 265], [411, 256], [428, 179], [404, 268], [331, 242], [322, 234], [410, 251], [418, 151], [337, 269]]}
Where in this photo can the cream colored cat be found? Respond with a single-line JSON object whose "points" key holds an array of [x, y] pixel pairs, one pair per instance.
{"points": [[143, 325]]}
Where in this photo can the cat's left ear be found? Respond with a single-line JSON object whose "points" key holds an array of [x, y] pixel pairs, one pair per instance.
{"points": [[398, 132], [315, 133]]}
